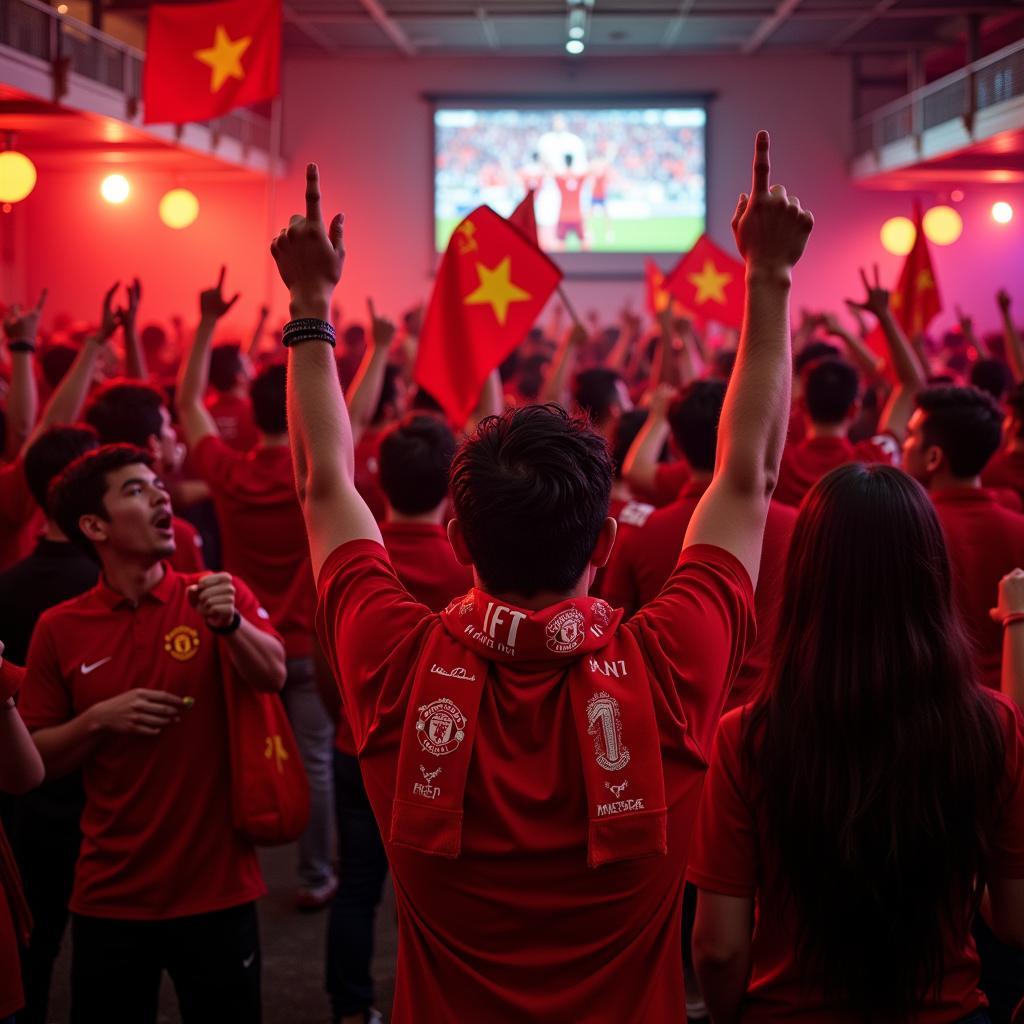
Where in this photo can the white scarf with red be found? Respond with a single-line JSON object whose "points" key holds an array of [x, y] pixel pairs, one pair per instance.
{"points": [[620, 751]]}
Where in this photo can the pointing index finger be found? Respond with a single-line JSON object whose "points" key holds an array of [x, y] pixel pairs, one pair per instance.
{"points": [[370, 308], [762, 165], [313, 193]]}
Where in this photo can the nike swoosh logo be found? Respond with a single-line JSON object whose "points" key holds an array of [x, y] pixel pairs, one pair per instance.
{"points": [[86, 669], [247, 962]]}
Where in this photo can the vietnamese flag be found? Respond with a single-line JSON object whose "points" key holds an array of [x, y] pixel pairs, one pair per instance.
{"points": [[657, 297], [710, 283], [491, 285], [203, 60], [525, 218]]}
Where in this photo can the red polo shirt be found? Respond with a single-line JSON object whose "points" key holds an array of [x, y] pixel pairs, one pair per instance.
{"points": [[518, 928], [669, 479], [1005, 469], [643, 559], [985, 541], [188, 547], [233, 415], [20, 517], [731, 856], [263, 532], [804, 464], [157, 839]]}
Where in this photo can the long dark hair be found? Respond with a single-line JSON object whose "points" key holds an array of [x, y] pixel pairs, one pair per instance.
{"points": [[880, 754]]}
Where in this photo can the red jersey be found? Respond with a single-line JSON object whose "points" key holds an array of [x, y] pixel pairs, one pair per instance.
{"points": [[188, 547], [263, 532], [571, 188], [157, 838], [643, 559], [730, 856], [985, 542], [20, 518], [233, 415], [804, 464], [518, 927], [1005, 469], [367, 473]]}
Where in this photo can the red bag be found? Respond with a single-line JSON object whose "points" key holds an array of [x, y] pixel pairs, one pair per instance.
{"points": [[269, 789]]}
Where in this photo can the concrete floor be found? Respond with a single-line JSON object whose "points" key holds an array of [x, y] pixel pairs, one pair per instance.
{"points": [[293, 955]]}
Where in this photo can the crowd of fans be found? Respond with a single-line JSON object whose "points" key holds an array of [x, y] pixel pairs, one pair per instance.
{"points": [[684, 680]]}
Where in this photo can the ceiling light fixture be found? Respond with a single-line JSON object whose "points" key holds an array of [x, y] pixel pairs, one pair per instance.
{"points": [[574, 46]]}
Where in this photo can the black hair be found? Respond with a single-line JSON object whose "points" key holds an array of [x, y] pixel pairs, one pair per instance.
{"points": [[1015, 402], [531, 490], [424, 401], [81, 487], [629, 425], [388, 393], [811, 352], [966, 423], [993, 376], [693, 418], [268, 396], [723, 363], [415, 459], [830, 389], [595, 392], [126, 412], [55, 363], [225, 366], [879, 756], [51, 453]]}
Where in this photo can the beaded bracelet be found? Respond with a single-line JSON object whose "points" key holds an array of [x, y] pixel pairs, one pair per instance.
{"points": [[309, 323], [297, 337]]}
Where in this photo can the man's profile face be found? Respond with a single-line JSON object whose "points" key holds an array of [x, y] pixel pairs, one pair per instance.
{"points": [[139, 520], [917, 458], [166, 449]]}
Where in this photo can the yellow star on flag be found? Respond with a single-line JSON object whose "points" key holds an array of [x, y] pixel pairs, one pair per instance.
{"points": [[496, 289], [710, 283], [925, 280], [224, 57]]}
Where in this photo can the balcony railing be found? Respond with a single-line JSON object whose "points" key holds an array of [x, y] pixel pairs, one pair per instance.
{"points": [[963, 94], [68, 45]]}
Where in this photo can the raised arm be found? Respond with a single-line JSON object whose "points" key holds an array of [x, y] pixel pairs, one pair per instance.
{"points": [[1009, 613], [23, 395], [967, 330], [490, 403], [364, 394], [134, 357], [309, 261], [556, 387], [194, 374], [640, 466], [1014, 345], [869, 364], [257, 333], [771, 232]]}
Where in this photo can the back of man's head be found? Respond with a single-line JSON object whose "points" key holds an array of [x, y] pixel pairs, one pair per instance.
{"points": [[993, 376], [966, 423], [126, 412], [531, 490], [415, 459], [596, 393], [693, 418], [225, 367], [269, 402], [51, 453], [811, 353], [831, 387]]}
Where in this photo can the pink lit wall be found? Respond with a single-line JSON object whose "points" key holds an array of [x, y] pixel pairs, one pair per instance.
{"points": [[364, 121]]}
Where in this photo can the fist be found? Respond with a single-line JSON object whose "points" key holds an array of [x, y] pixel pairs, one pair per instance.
{"points": [[213, 596], [661, 400], [1011, 595]]}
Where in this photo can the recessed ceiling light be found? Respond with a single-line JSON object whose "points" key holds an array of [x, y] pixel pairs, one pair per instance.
{"points": [[574, 46]]}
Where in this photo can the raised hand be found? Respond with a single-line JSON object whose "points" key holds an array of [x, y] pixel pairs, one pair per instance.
{"points": [[771, 228], [966, 323], [382, 330], [213, 596], [661, 401], [21, 326], [578, 336], [1011, 596], [876, 298], [109, 317], [1003, 301], [212, 304], [309, 257], [126, 314]]}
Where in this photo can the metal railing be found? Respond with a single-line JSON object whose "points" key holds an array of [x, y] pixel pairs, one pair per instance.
{"points": [[963, 94], [71, 46]]}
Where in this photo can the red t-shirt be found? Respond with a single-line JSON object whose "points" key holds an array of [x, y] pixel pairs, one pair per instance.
{"points": [[12, 997], [643, 560], [20, 518], [1005, 469], [518, 928], [730, 856], [985, 542], [233, 415], [157, 839], [188, 547], [571, 188], [367, 473], [804, 464], [263, 532]]}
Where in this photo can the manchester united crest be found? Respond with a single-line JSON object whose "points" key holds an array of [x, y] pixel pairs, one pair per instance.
{"points": [[566, 631], [182, 643], [441, 727]]}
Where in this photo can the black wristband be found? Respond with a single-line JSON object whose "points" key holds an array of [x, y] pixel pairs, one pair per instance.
{"points": [[297, 337], [230, 628], [21, 346]]}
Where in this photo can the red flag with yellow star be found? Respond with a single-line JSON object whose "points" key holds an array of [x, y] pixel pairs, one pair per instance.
{"points": [[491, 285], [203, 60], [709, 283], [525, 218]]}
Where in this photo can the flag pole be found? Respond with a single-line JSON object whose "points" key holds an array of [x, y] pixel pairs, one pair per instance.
{"points": [[275, 158], [568, 305]]}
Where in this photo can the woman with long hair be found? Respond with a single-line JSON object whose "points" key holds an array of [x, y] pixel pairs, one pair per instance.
{"points": [[871, 800]]}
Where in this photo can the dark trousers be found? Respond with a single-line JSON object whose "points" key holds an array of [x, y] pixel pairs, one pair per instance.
{"points": [[363, 866], [213, 960]]}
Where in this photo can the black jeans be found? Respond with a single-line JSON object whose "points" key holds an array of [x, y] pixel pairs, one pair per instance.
{"points": [[213, 960], [362, 869]]}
